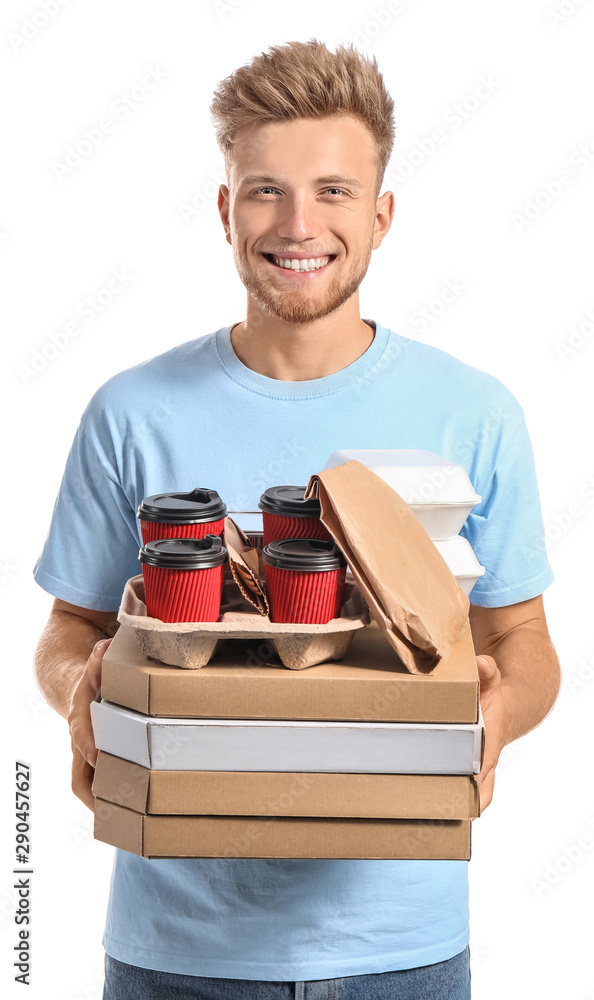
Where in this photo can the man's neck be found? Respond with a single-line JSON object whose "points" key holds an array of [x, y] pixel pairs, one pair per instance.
{"points": [[296, 352]]}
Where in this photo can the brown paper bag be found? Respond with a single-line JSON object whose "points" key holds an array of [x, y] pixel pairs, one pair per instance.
{"points": [[246, 566], [411, 592]]}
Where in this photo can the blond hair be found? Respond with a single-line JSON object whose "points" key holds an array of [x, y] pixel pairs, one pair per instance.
{"points": [[305, 80]]}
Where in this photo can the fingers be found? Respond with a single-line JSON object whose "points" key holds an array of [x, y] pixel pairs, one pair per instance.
{"points": [[82, 779], [488, 671], [493, 747], [92, 672], [81, 733], [494, 715], [79, 718], [486, 790]]}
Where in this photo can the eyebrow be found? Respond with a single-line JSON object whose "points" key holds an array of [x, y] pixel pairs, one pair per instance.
{"points": [[326, 179]]}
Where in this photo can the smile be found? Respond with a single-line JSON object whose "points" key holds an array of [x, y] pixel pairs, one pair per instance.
{"points": [[292, 266]]}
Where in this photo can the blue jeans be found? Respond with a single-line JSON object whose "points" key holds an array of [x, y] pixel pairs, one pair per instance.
{"points": [[448, 980]]}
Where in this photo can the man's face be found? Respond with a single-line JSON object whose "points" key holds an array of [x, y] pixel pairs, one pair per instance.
{"points": [[301, 190]]}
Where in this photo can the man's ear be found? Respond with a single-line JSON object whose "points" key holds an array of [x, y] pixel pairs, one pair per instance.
{"points": [[384, 215], [223, 207]]}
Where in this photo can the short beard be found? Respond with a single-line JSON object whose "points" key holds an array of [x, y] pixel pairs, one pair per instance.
{"points": [[299, 308]]}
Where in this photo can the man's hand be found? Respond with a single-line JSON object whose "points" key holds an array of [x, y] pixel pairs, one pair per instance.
{"points": [[496, 724], [81, 732], [519, 676]]}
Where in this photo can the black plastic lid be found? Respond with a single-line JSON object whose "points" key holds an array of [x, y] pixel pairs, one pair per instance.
{"points": [[312, 555], [183, 508], [184, 553], [288, 501]]}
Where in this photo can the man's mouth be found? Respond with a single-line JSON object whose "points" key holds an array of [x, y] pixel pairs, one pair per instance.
{"points": [[304, 266]]}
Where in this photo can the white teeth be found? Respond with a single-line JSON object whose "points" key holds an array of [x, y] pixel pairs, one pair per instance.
{"points": [[306, 264]]}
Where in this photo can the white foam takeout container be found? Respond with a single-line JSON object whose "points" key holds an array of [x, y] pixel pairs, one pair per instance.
{"points": [[456, 551], [462, 562], [438, 491]]}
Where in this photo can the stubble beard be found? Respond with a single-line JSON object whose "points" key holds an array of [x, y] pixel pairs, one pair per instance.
{"points": [[299, 306]]}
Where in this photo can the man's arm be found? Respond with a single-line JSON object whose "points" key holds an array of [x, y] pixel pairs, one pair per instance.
{"points": [[519, 675], [68, 671], [64, 648]]}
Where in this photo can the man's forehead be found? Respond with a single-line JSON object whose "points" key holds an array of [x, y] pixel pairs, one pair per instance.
{"points": [[323, 151]]}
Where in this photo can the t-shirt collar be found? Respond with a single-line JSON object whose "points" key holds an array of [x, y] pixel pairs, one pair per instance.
{"points": [[278, 388]]}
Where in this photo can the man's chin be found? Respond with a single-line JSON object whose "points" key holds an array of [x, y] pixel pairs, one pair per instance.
{"points": [[298, 308], [299, 305], [299, 313]]}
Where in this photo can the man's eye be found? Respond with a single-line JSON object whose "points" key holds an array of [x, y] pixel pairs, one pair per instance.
{"points": [[263, 189]]}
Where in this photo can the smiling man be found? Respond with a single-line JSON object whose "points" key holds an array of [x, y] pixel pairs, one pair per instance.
{"points": [[302, 241], [306, 135]]}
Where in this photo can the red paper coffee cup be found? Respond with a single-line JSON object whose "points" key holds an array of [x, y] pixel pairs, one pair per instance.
{"points": [[182, 515], [183, 578], [304, 580], [286, 514]]}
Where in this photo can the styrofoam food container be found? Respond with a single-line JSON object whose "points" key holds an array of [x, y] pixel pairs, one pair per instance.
{"points": [[438, 491], [461, 560], [456, 551]]}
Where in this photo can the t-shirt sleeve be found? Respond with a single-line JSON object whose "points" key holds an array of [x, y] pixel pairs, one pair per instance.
{"points": [[506, 529], [93, 541]]}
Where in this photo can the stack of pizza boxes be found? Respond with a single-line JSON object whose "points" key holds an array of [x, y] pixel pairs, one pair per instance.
{"points": [[256, 751]]}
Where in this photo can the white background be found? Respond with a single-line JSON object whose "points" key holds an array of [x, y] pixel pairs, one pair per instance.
{"points": [[459, 212]]}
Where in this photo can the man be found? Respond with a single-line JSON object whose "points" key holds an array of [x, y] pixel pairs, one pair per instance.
{"points": [[306, 136]]}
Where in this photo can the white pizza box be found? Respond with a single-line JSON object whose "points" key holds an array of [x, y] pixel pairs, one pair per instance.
{"points": [[282, 745], [437, 490]]}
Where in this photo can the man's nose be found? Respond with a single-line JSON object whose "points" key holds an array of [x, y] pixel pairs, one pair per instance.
{"points": [[299, 219]]}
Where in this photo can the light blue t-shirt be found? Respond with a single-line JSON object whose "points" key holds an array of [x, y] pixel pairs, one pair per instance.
{"points": [[196, 416]]}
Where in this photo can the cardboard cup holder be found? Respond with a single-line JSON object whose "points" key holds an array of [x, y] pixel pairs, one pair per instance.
{"points": [[193, 644]]}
